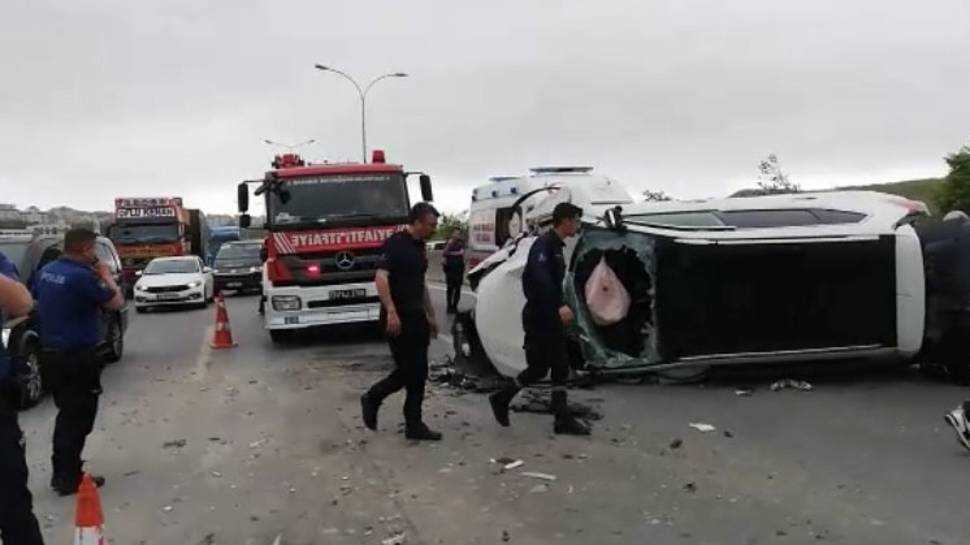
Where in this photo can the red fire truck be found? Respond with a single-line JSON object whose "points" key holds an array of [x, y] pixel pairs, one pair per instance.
{"points": [[326, 224]]}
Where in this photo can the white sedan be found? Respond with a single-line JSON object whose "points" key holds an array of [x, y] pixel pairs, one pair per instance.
{"points": [[183, 280]]}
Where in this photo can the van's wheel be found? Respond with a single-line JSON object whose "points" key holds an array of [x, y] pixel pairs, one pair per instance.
{"points": [[280, 336], [30, 383], [115, 339]]}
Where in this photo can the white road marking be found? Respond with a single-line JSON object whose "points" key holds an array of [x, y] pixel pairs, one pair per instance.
{"points": [[205, 353]]}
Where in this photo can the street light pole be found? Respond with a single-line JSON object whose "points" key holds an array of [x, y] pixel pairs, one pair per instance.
{"points": [[362, 93]]}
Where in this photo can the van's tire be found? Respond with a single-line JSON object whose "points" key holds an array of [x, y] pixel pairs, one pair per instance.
{"points": [[115, 340], [30, 383], [280, 336]]}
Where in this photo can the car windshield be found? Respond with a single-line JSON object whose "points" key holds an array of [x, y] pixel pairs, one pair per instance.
{"points": [[172, 266], [319, 199], [145, 233], [248, 253]]}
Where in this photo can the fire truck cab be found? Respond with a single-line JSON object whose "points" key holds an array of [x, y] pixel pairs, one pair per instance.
{"points": [[325, 227]]}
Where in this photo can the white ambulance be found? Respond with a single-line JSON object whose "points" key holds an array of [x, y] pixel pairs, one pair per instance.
{"points": [[492, 215]]}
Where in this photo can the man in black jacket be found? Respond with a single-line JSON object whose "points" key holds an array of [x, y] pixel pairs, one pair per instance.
{"points": [[410, 321]]}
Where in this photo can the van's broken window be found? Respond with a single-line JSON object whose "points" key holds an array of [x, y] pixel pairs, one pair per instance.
{"points": [[631, 342]]}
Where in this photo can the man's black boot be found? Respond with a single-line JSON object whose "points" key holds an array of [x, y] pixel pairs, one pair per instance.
{"points": [[566, 423], [500, 401], [368, 410], [68, 487], [421, 432]]}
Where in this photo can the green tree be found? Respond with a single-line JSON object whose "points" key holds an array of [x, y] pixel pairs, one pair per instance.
{"points": [[773, 180], [448, 223], [655, 196], [954, 194]]}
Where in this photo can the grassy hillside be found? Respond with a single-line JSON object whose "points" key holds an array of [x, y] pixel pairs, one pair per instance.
{"points": [[919, 190]]}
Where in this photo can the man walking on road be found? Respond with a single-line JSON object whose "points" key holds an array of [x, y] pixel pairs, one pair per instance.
{"points": [[454, 266], [70, 293], [410, 321], [544, 319], [18, 525]]}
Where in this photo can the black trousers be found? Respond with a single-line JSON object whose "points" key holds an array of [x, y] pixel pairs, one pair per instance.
{"points": [[75, 379], [410, 353], [545, 351], [18, 526], [453, 278]]}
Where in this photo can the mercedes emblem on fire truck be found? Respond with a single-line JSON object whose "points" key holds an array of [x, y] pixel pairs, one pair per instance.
{"points": [[345, 261]]}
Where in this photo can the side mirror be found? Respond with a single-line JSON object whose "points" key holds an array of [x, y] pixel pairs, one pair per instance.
{"points": [[138, 273], [242, 197], [426, 193], [245, 220], [284, 195]]}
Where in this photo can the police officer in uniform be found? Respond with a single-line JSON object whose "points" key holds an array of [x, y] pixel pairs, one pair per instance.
{"points": [[18, 525], [70, 293], [409, 320], [544, 319]]}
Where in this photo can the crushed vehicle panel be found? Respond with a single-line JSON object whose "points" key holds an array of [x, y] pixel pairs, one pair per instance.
{"points": [[746, 280]]}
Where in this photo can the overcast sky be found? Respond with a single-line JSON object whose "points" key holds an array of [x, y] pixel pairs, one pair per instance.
{"points": [[104, 98]]}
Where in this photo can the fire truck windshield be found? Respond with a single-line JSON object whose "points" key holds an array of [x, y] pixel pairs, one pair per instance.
{"points": [[324, 199], [145, 233]]}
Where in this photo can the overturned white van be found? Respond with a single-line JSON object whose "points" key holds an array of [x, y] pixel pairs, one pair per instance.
{"points": [[809, 276]]}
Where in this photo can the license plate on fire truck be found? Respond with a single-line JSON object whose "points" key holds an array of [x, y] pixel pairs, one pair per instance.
{"points": [[341, 295]]}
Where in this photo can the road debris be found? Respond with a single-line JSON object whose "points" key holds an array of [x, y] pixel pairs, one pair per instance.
{"points": [[540, 402], [791, 384], [702, 427], [676, 443], [539, 489], [743, 392], [537, 475], [398, 539], [690, 488], [175, 443], [505, 536], [513, 465], [728, 434]]}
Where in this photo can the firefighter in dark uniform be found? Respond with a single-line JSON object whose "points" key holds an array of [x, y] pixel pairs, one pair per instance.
{"points": [[409, 320], [70, 293], [544, 319], [18, 525]]}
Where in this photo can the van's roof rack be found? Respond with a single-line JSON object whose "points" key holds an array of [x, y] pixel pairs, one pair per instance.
{"points": [[559, 170], [502, 178]]}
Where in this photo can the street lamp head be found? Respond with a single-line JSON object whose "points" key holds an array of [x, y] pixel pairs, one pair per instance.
{"points": [[400, 74], [321, 67]]}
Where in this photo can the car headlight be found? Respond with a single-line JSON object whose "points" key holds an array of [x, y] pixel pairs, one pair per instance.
{"points": [[286, 302], [195, 284], [255, 269]]}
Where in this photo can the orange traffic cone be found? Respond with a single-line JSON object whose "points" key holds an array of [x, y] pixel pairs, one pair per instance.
{"points": [[88, 519], [223, 335]]}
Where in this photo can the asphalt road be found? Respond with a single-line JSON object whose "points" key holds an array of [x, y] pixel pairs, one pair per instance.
{"points": [[273, 446]]}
